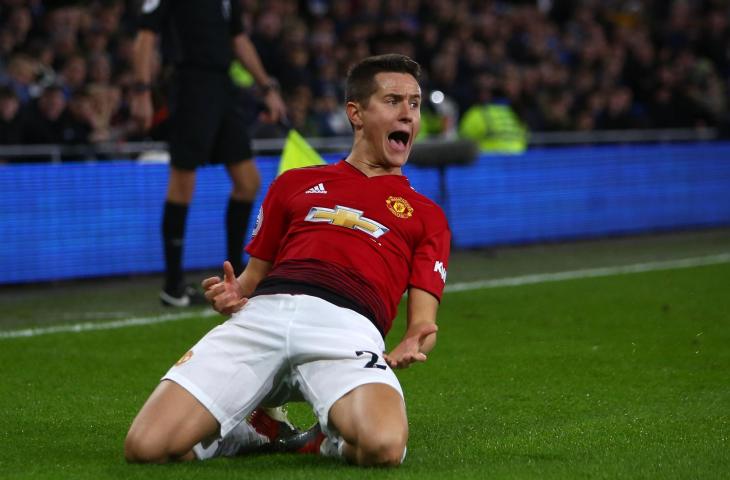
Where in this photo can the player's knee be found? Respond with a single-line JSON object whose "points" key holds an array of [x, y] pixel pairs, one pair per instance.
{"points": [[385, 449], [145, 448]]}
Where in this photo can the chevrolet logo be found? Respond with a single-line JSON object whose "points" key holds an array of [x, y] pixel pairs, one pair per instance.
{"points": [[348, 218]]}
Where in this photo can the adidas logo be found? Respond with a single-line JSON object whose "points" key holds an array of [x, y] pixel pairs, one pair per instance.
{"points": [[319, 188]]}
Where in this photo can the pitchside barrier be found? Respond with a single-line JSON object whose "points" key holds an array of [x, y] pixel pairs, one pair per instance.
{"points": [[92, 219]]}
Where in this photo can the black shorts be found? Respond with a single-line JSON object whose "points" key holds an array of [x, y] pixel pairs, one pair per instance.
{"points": [[208, 120]]}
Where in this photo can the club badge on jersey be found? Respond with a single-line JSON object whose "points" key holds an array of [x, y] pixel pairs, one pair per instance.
{"points": [[399, 207]]}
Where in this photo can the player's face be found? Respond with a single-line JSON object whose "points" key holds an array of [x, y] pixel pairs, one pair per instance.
{"points": [[392, 119]]}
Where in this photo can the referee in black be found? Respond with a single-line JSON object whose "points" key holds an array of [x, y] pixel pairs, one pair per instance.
{"points": [[208, 123]]}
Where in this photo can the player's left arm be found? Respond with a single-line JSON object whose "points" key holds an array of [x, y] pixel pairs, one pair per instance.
{"points": [[420, 336]]}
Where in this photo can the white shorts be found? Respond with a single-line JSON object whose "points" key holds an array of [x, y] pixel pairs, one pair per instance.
{"points": [[280, 348]]}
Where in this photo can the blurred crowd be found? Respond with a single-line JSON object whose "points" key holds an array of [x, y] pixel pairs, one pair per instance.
{"points": [[65, 67]]}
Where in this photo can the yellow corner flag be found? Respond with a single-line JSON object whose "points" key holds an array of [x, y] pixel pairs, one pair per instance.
{"points": [[298, 153]]}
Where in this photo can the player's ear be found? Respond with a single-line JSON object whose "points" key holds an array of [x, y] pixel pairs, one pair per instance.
{"points": [[354, 114]]}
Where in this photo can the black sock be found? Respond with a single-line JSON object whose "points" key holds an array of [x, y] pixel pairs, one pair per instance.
{"points": [[173, 238], [237, 216]]}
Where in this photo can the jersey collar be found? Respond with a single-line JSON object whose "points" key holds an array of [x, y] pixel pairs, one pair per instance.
{"points": [[347, 167]]}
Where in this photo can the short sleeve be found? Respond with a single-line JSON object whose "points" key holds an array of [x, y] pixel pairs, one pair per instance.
{"points": [[271, 225], [431, 260], [153, 15], [237, 26]]}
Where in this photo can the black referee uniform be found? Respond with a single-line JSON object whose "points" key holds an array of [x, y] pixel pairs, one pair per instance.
{"points": [[208, 122]]}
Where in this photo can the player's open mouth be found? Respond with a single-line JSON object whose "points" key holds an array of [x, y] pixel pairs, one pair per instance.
{"points": [[398, 140]]}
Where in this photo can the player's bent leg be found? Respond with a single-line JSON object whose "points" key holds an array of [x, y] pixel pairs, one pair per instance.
{"points": [[167, 427], [372, 422], [246, 180]]}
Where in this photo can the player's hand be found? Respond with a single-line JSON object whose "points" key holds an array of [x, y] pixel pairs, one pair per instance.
{"points": [[275, 105], [225, 295], [141, 110], [408, 351]]}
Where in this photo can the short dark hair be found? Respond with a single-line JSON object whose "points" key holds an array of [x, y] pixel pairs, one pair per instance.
{"points": [[360, 83]]}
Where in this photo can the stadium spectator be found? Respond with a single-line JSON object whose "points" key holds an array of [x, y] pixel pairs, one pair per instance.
{"points": [[121, 126], [7, 45], [44, 56], [88, 121], [563, 52], [621, 112], [74, 74], [714, 39], [317, 297], [267, 38], [301, 114], [322, 41], [556, 111], [21, 75], [326, 81], [49, 121], [96, 42], [296, 66], [330, 118], [95, 107], [19, 24], [108, 16], [208, 122], [100, 69], [63, 26], [492, 122], [11, 121], [123, 51]]}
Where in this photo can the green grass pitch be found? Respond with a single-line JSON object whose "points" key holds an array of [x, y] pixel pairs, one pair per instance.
{"points": [[626, 376]]}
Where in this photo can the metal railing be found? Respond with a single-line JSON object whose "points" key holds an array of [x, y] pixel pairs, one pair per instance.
{"points": [[274, 146]]}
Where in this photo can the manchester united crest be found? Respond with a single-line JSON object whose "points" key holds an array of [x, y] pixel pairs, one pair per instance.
{"points": [[399, 207]]}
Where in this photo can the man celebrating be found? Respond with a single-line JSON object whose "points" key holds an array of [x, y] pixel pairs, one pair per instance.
{"points": [[334, 249]]}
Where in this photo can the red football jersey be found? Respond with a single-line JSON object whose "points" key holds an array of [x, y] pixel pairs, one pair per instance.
{"points": [[365, 238]]}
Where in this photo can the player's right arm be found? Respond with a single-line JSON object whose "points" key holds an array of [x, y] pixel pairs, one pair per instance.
{"points": [[255, 271], [230, 294]]}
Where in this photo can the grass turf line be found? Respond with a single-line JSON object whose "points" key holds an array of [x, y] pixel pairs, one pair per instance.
{"points": [[452, 287], [622, 376]]}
